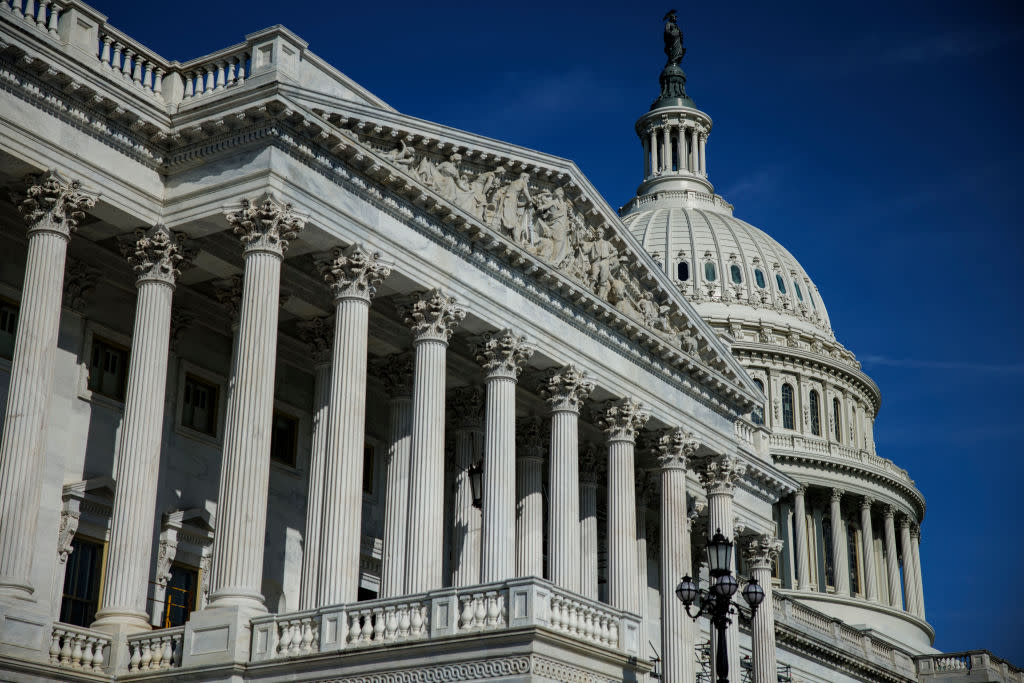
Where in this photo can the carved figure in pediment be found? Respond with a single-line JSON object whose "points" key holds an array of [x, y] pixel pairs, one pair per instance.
{"points": [[552, 226], [688, 342], [513, 209], [604, 262], [404, 157], [426, 171], [477, 201], [449, 182]]}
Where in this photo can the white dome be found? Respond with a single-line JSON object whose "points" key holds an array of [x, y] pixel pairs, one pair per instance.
{"points": [[718, 249]]}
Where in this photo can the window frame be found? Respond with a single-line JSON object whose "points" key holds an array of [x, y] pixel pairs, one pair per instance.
{"points": [[780, 283], [791, 422], [709, 266], [98, 581], [759, 279], [683, 265], [187, 368], [735, 274], [837, 417], [16, 305], [814, 408], [110, 336]]}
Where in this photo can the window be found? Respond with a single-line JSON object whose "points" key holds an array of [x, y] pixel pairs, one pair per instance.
{"points": [[368, 469], [815, 410], [836, 414], [108, 369], [734, 273], [796, 287], [828, 551], [811, 297], [199, 411], [787, 406], [757, 415], [852, 548], [284, 439], [683, 271], [181, 595], [759, 277], [81, 583], [709, 272], [780, 283], [8, 326]]}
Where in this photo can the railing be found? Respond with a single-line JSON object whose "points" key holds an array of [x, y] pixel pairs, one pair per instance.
{"points": [[44, 14], [155, 650], [841, 452], [979, 665], [73, 647]]}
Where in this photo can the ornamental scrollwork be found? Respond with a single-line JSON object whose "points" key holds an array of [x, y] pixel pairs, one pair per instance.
{"points": [[266, 225], [354, 272], [566, 388], [156, 254], [432, 315], [49, 202], [503, 354], [675, 448], [622, 419]]}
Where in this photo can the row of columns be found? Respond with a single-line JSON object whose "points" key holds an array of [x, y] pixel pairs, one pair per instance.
{"points": [[687, 144]]}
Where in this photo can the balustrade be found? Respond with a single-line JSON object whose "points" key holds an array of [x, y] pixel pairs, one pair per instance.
{"points": [[44, 14], [155, 650], [78, 648]]}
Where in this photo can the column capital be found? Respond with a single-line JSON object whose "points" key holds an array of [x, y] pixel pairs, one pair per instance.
{"points": [[266, 225], [621, 419], [720, 473], [675, 447], [156, 254], [432, 316], [762, 550], [837, 494], [530, 438], [466, 406], [502, 354], [905, 522], [354, 272], [318, 333], [566, 389], [397, 371], [889, 511], [866, 502], [915, 531], [51, 203], [801, 489]]}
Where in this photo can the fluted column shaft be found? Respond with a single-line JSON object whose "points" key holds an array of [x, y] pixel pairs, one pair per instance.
{"points": [[915, 545], [867, 534], [310, 590], [31, 377], [840, 557], [760, 554], [666, 145], [891, 561], [564, 532], [653, 145], [703, 159], [588, 534], [497, 560], [155, 257], [467, 518], [803, 559], [398, 379], [680, 149], [693, 150], [529, 516], [909, 568]]}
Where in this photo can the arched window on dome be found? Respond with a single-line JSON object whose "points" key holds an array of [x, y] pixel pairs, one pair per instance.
{"points": [[781, 284], [683, 271], [799, 294], [757, 414], [837, 428], [787, 406], [759, 278], [815, 410], [710, 274], [735, 274], [810, 295]]}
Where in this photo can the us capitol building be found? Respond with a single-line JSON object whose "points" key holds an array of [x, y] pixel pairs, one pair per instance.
{"points": [[300, 388]]}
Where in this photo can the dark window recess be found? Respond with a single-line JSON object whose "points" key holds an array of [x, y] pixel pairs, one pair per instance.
{"points": [[108, 369], [787, 407], [815, 410], [710, 274], [683, 271], [81, 583], [199, 411], [836, 415], [851, 554], [180, 599], [368, 469], [799, 293], [8, 326], [826, 541], [759, 278], [757, 415], [365, 594], [735, 274], [780, 283], [284, 439]]}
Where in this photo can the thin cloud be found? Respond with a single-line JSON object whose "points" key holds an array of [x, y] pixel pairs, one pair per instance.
{"points": [[918, 364], [756, 185]]}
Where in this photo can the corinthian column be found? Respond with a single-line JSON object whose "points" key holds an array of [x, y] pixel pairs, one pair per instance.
{"points": [[265, 228], [760, 553], [675, 448], [155, 257], [432, 318], [840, 557], [397, 372], [867, 534], [909, 570], [719, 476], [803, 559], [621, 420], [589, 464], [467, 404], [318, 333], [565, 390], [915, 547], [529, 498], [892, 564], [352, 274], [52, 207], [502, 356]]}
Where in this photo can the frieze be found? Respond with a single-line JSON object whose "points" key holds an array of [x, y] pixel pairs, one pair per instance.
{"points": [[481, 669]]}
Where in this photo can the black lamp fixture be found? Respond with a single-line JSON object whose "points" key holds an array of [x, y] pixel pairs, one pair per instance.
{"points": [[716, 602], [476, 483]]}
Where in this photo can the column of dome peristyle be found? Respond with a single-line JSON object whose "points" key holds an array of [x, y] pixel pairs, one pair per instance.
{"points": [[265, 228], [675, 448], [565, 390], [502, 356], [52, 207], [759, 554], [621, 420], [432, 317], [353, 274], [655, 128], [803, 560], [909, 569], [155, 255], [868, 550], [529, 497], [915, 547], [891, 562], [840, 556]]}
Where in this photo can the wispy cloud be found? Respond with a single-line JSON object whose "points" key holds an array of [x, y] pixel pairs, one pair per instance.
{"points": [[923, 364], [762, 182]]}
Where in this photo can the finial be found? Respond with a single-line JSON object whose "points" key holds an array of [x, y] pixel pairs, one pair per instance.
{"points": [[673, 79]]}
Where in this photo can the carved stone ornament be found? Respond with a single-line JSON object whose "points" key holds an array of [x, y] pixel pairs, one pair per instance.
{"points": [[354, 272], [165, 557], [397, 372], [50, 203], [466, 407], [68, 528], [433, 316], [761, 551], [889, 511], [590, 463], [675, 448], [622, 419], [530, 437], [318, 333], [836, 495], [566, 388], [156, 254], [79, 282], [503, 354], [720, 473], [180, 321], [229, 294], [266, 225]]}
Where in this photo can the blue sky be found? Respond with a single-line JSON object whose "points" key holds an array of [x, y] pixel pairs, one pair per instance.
{"points": [[878, 141]]}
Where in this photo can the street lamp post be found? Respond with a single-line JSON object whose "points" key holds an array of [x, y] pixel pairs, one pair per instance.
{"points": [[716, 602]]}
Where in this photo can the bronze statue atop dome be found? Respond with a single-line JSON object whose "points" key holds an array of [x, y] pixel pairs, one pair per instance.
{"points": [[672, 78], [674, 49]]}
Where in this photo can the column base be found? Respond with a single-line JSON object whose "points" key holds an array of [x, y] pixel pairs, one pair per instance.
{"points": [[13, 590], [115, 621], [25, 631], [219, 635]]}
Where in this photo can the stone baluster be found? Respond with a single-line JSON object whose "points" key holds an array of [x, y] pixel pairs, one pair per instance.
{"points": [[565, 390], [840, 556], [621, 420], [803, 559], [52, 207], [219, 81], [318, 334], [30, 9], [867, 534], [54, 19], [760, 554], [115, 59], [156, 256], [915, 546], [529, 498], [105, 51], [126, 65], [466, 406], [432, 318], [891, 561], [397, 372], [502, 356], [589, 463], [909, 570], [265, 228], [352, 274], [675, 449]]}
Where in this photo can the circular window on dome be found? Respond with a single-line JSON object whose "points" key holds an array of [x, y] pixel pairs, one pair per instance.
{"points": [[780, 283], [710, 274], [759, 277], [799, 294], [683, 271], [734, 273]]}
